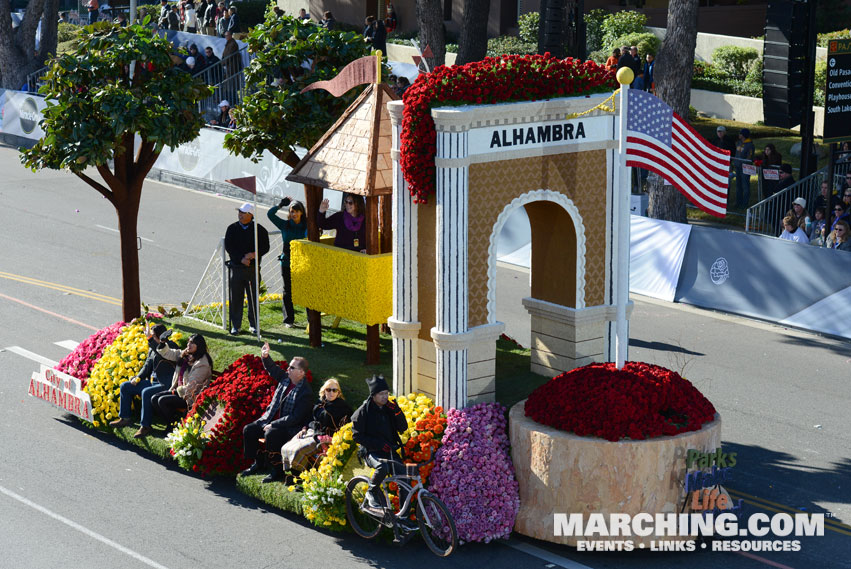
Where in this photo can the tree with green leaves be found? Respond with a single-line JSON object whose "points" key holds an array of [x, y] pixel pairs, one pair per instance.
{"points": [[18, 55], [290, 55], [116, 84]]}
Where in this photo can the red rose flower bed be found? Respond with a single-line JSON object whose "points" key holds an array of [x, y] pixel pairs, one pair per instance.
{"points": [[492, 80], [640, 401]]}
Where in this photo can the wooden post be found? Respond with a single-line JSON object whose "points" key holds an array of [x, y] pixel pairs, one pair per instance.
{"points": [[312, 198], [385, 212], [373, 247]]}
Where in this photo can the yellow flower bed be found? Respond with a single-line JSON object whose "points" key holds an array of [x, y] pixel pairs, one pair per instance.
{"points": [[342, 282], [120, 361]]}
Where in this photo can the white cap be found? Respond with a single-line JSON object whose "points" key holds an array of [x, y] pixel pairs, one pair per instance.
{"points": [[246, 208], [801, 202], [224, 103], [721, 127], [190, 61]]}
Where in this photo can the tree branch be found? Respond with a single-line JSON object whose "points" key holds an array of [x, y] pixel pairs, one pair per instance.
{"points": [[98, 186], [288, 157], [29, 25], [116, 184]]}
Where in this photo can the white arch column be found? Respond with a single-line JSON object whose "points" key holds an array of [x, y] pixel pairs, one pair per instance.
{"points": [[450, 334], [404, 323]]}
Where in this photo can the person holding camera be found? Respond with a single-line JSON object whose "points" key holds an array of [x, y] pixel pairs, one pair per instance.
{"points": [[375, 427], [154, 377], [192, 373], [292, 228]]}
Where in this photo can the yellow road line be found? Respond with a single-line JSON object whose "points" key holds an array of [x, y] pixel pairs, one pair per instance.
{"points": [[62, 288], [783, 509]]}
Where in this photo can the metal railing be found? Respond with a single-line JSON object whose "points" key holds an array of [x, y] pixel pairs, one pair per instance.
{"points": [[228, 80], [34, 79]]}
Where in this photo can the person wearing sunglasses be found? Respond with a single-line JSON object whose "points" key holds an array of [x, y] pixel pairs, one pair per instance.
{"points": [[840, 213], [286, 414], [840, 237], [350, 223], [292, 228], [331, 413]]}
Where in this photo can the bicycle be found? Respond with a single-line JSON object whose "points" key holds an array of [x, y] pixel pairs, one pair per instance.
{"points": [[433, 518]]}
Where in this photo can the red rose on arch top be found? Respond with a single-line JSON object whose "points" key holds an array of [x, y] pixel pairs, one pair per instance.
{"points": [[640, 401], [492, 80], [243, 392]]}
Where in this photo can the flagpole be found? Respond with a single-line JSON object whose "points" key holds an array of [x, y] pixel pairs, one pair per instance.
{"points": [[622, 229], [256, 273]]}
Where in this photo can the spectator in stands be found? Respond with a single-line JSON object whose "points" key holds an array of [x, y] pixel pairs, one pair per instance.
{"points": [[626, 59], [192, 373], [840, 213], [200, 61], [840, 237], [223, 117], [771, 160], [165, 10], [242, 256], [190, 18], [331, 413], [744, 155], [232, 118], [233, 20], [215, 74], [824, 200], [845, 153], [817, 235], [286, 414], [846, 198], [786, 178], [63, 18], [638, 82], [379, 37], [801, 215], [328, 22], [402, 85], [174, 19], [189, 66], [791, 232], [303, 15], [293, 227], [210, 18], [349, 223], [649, 67], [367, 28], [121, 19], [231, 60], [612, 61], [154, 377], [222, 20]]}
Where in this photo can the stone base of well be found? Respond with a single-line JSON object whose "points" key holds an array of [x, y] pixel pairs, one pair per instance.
{"points": [[563, 473]]}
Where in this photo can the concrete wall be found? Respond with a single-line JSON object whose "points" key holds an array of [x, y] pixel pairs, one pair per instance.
{"points": [[739, 108], [708, 43], [404, 53]]}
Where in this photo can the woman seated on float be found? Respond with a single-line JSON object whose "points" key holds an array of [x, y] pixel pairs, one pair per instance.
{"points": [[192, 373], [331, 413], [349, 223]]}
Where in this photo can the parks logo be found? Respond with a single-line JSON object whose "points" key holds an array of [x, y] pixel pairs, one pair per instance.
{"points": [[189, 154], [29, 115]]}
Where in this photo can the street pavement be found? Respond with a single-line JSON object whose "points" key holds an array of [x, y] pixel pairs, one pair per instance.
{"points": [[71, 497]]}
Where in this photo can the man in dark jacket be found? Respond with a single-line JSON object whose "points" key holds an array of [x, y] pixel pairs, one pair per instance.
{"points": [[286, 414], [155, 376], [375, 427], [239, 243]]}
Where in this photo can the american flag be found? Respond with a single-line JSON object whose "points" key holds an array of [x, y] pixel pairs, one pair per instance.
{"points": [[657, 139]]}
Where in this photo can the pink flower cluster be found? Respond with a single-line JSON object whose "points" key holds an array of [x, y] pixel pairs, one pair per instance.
{"points": [[80, 362], [473, 473]]}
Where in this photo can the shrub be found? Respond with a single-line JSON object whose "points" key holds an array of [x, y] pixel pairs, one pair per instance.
{"points": [[755, 73], [594, 29], [529, 24], [66, 32], [734, 61], [510, 45], [600, 56], [646, 43], [620, 24], [823, 39], [820, 82]]}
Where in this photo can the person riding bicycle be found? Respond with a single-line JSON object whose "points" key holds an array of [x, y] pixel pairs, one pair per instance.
{"points": [[375, 427]]}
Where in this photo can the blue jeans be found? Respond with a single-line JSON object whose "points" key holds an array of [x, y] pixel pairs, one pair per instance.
{"points": [[146, 389], [743, 190]]}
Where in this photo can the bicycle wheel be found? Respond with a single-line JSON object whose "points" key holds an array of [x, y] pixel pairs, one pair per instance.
{"points": [[364, 524], [436, 525]]}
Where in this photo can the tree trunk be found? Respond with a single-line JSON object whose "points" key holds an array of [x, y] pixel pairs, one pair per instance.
{"points": [[18, 57], [49, 29], [128, 213], [674, 68], [473, 44], [430, 22]]}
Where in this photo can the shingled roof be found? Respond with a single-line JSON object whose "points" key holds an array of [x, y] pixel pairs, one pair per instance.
{"points": [[354, 155]]}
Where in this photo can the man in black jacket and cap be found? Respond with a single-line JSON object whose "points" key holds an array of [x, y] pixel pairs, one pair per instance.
{"points": [[375, 427], [239, 244]]}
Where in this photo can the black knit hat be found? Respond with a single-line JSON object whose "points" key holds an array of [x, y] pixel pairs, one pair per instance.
{"points": [[376, 384], [158, 330]]}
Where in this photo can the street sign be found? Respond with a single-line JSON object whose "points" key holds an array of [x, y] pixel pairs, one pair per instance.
{"points": [[837, 93]]}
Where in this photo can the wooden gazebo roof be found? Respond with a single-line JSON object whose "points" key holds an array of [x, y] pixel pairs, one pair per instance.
{"points": [[354, 155]]}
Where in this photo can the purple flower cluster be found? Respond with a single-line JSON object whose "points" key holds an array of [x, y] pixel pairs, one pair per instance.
{"points": [[473, 473], [80, 362]]}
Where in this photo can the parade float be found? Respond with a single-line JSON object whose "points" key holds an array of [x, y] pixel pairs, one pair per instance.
{"points": [[468, 146]]}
